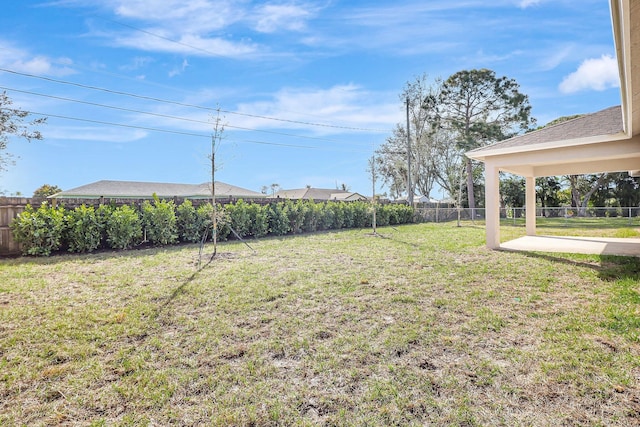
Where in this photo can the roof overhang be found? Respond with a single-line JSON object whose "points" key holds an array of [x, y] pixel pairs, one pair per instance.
{"points": [[625, 20], [605, 155]]}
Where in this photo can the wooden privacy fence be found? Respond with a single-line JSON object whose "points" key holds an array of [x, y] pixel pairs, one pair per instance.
{"points": [[10, 207]]}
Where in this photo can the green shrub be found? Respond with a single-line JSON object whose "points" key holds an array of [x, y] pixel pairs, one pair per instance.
{"points": [[223, 223], [159, 221], [382, 215], [337, 214], [188, 224], [406, 214], [239, 217], [259, 221], [347, 215], [360, 216], [325, 216], [124, 229], [204, 215], [394, 215], [296, 213], [84, 229], [311, 215], [103, 213], [39, 231], [277, 219]]}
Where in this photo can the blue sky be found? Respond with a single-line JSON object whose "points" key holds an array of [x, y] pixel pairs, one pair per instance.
{"points": [[307, 89]]}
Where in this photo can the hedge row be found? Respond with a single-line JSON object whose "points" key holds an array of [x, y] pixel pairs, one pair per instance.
{"points": [[84, 229]]}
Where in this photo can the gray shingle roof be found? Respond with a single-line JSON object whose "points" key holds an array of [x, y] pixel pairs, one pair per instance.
{"points": [[136, 189], [309, 193], [602, 123]]}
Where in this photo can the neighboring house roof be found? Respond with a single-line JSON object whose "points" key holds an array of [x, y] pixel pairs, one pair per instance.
{"points": [[310, 193], [143, 190], [347, 197]]}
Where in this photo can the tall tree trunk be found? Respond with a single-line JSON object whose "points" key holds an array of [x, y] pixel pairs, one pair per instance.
{"points": [[594, 188], [575, 194], [579, 201], [470, 194]]}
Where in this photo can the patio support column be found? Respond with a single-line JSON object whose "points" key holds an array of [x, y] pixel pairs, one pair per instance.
{"points": [[530, 203], [492, 205]]}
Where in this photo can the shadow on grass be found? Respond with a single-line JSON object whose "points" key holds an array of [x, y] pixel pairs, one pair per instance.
{"points": [[608, 267], [143, 250], [574, 222], [98, 255], [394, 239], [180, 289]]}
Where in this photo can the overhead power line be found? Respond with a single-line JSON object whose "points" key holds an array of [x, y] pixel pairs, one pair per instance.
{"points": [[191, 134], [166, 116], [150, 98], [208, 52]]}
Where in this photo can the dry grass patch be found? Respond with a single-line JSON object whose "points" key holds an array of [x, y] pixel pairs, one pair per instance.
{"points": [[421, 327]]}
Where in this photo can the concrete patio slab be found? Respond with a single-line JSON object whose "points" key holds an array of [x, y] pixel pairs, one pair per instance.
{"points": [[579, 245]]}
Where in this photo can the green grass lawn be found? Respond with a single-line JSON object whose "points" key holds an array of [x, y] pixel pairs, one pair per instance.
{"points": [[423, 326], [588, 226]]}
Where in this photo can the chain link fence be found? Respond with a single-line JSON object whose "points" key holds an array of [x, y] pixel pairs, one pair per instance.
{"points": [[516, 216], [446, 214]]}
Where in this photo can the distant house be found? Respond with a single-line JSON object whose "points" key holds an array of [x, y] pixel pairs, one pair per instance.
{"points": [[347, 197], [146, 190], [427, 200], [319, 194], [416, 199]]}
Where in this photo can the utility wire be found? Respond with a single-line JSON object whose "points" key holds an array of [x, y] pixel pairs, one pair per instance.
{"points": [[169, 40], [149, 98], [166, 116], [208, 52], [197, 135]]}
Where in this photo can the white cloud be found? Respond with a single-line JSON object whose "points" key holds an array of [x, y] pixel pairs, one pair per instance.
{"points": [[199, 27], [593, 74], [336, 105], [179, 70], [526, 3], [137, 63], [98, 134], [271, 18], [196, 16], [557, 56], [185, 44], [22, 60]]}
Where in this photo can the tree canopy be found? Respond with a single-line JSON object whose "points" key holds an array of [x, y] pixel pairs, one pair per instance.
{"points": [[392, 158], [46, 190], [12, 123], [470, 109], [478, 109]]}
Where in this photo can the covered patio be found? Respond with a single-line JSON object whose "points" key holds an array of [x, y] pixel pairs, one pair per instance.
{"points": [[575, 245], [605, 141]]}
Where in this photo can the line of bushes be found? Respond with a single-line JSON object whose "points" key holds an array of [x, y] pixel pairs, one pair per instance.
{"points": [[49, 229]]}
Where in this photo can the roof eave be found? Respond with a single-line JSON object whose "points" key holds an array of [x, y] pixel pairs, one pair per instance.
{"points": [[484, 153], [620, 25]]}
